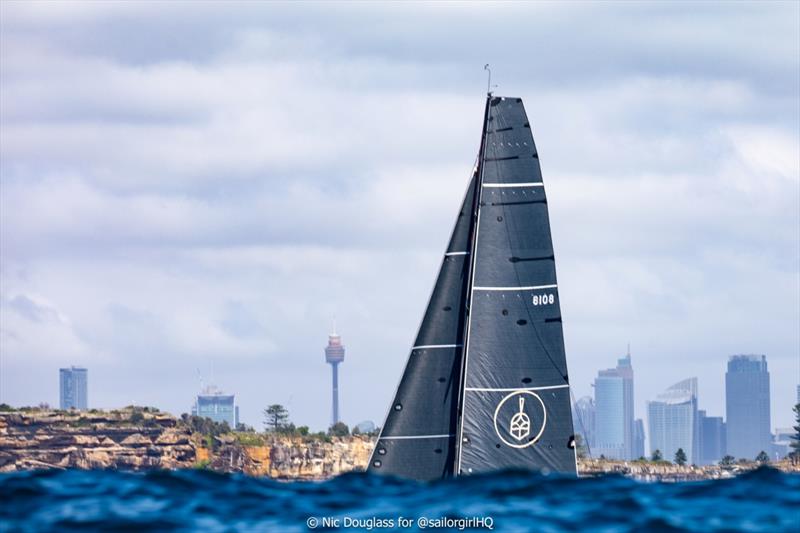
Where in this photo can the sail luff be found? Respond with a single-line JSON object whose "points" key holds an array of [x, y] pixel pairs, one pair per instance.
{"points": [[471, 277]]}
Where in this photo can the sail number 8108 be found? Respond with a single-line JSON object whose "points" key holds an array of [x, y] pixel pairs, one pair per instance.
{"points": [[543, 299]]}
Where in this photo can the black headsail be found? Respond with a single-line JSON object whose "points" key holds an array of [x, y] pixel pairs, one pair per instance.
{"points": [[515, 399], [418, 438]]}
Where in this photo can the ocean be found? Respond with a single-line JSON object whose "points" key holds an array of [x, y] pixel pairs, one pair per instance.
{"points": [[198, 500]]}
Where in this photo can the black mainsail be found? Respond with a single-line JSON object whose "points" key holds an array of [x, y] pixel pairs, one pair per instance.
{"points": [[486, 385]]}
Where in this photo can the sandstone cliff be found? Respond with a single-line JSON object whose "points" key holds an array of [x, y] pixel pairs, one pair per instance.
{"points": [[133, 439], [291, 457], [45, 439]]}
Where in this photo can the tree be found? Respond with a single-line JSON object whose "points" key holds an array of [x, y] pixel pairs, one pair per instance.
{"points": [[339, 429], [762, 457], [287, 429], [656, 456], [582, 449], [728, 460], [204, 426], [680, 457], [795, 444], [275, 417]]}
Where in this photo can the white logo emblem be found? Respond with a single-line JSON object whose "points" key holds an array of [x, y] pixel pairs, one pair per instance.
{"points": [[519, 424]]}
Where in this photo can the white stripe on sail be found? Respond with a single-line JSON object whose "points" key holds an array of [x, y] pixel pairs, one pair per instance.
{"points": [[503, 185], [426, 346], [456, 253], [401, 437], [482, 389], [530, 288]]}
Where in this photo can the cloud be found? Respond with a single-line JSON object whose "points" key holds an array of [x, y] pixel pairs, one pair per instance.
{"points": [[39, 312], [33, 329], [210, 193]]}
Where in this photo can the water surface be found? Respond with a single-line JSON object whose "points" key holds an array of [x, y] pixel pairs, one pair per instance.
{"points": [[75, 500]]}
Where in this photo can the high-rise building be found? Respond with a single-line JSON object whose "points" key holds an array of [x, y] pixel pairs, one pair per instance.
{"points": [[672, 421], [613, 400], [747, 406], [712, 438], [73, 388], [638, 438], [220, 407], [583, 414], [334, 354]]}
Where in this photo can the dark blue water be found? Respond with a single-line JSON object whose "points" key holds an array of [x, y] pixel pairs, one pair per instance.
{"points": [[764, 500]]}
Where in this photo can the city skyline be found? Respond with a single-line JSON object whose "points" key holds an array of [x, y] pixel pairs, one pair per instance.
{"points": [[217, 190], [674, 418], [709, 433]]}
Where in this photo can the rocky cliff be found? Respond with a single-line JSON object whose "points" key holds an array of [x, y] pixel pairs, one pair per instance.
{"points": [[291, 457], [45, 439], [133, 439]]}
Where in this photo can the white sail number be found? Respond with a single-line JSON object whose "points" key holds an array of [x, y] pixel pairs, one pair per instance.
{"points": [[543, 299]]}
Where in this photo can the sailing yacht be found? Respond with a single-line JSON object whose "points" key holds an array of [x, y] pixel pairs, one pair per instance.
{"points": [[486, 387]]}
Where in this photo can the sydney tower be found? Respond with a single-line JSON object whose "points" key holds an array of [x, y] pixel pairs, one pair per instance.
{"points": [[334, 354]]}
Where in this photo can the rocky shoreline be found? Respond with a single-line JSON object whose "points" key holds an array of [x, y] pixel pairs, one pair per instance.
{"points": [[136, 439], [132, 439]]}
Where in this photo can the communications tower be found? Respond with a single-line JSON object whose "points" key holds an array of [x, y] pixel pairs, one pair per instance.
{"points": [[334, 354]]}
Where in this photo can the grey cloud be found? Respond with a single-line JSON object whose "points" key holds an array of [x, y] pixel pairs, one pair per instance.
{"points": [[36, 312]]}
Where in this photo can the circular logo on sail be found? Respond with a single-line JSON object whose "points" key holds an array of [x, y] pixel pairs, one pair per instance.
{"points": [[520, 418]]}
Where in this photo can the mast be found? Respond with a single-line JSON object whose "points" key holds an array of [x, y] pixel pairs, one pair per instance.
{"points": [[470, 273]]}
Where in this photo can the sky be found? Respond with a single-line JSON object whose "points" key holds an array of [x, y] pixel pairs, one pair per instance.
{"points": [[190, 192]]}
